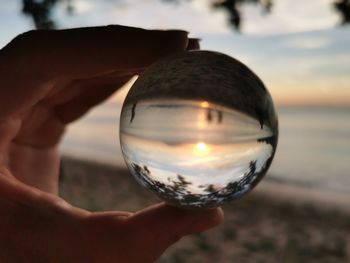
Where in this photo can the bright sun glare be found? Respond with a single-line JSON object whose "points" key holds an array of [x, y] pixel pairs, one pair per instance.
{"points": [[201, 149]]}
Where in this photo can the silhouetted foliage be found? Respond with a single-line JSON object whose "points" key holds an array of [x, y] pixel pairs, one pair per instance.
{"points": [[210, 189], [209, 117], [181, 184], [232, 8], [133, 112], [41, 11], [178, 192], [343, 7]]}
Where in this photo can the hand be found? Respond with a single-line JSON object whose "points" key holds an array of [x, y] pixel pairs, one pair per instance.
{"points": [[48, 80]]}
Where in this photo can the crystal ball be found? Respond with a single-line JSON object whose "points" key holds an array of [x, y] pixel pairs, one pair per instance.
{"points": [[198, 129]]}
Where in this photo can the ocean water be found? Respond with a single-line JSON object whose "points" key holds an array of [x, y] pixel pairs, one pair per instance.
{"points": [[313, 148]]}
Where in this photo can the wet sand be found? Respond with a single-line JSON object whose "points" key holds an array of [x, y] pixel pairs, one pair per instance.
{"points": [[275, 223]]}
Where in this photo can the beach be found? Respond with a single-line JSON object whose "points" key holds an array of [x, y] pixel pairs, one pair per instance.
{"points": [[267, 225]]}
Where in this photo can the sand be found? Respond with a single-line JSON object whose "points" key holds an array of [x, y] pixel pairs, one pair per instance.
{"points": [[274, 223]]}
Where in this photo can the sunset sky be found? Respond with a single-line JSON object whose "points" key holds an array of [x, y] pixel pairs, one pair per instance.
{"points": [[298, 50]]}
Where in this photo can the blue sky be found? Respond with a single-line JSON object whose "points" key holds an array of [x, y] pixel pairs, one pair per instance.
{"points": [[298, 50]]}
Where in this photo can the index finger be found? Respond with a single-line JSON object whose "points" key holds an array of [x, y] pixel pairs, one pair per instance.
{"points": [[93, 50]]}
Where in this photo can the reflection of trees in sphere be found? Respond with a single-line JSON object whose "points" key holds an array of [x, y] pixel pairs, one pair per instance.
{"points": [[198, 129]]}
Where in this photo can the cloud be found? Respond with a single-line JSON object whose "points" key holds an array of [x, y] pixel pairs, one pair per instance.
{"points": [[289, 17], [299, 67]]}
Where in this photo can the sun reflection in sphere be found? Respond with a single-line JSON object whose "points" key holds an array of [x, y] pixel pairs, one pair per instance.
{"points": [[201, 149]]}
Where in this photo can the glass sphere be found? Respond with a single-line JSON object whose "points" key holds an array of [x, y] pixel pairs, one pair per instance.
{"points": [[198, 129]]}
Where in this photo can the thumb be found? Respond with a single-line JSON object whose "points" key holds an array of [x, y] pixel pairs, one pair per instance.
{"points": [[162, 225]]}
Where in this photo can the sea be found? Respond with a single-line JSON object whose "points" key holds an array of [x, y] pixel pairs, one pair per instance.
{"points": [[313, 149]]}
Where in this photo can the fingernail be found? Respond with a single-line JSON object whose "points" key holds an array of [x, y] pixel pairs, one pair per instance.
{"points": [[193, 44]]}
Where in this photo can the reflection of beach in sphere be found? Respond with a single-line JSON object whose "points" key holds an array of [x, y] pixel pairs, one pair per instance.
{"points": [[193, 148]]}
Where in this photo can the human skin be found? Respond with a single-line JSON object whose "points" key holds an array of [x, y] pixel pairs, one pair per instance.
{"points": [[48, 80]]}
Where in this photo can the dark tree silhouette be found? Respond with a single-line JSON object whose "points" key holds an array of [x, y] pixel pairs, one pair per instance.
{"points": [[343, 7], [220, 116], [180, 185], [210, 189], [209, 116], [41, 11], [232, 8], [177, 192], [133, 112]]}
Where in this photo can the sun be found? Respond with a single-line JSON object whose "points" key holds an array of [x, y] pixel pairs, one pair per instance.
{"points": [[201, 149]]}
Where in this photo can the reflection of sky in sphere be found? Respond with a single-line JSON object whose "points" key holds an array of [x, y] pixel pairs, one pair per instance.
{"points": [[180, 141]]}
